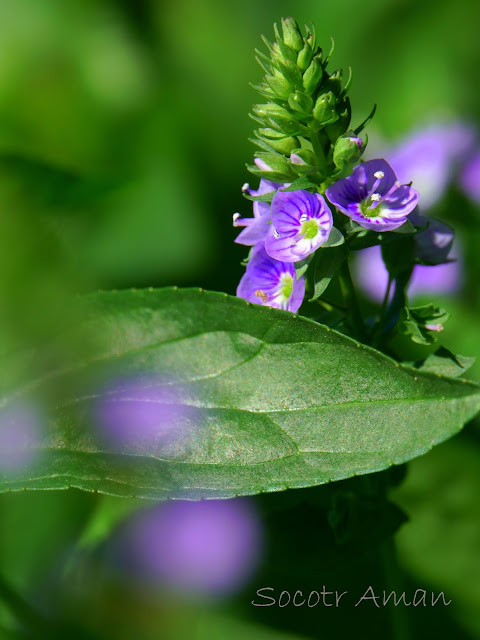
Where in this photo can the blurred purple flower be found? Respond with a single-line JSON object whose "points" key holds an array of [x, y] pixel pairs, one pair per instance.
{"points": [[430, 156], [134, 413], [301, 222], [372, 276], [203, 548], [255, 228], [271, 283], [373, 197], [21, 427], [470, 177], [433, 245]]}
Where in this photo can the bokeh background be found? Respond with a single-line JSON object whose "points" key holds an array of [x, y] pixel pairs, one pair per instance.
{"points": [[123, 141]]}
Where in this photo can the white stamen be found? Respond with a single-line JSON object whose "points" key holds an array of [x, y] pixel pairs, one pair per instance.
{"points": [[303, 218], [236, 216], [379, 175], [375, 197], [275, 233], [245, 187]]}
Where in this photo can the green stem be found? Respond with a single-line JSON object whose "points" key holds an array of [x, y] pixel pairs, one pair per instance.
{"points": [[318, 150], [394, 582], [330, 306], [399, 299], [377, 334], [356, 324]]}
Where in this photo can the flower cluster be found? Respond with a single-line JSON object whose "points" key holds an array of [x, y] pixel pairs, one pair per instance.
{"points": [[318, 202], [299, 222], [308, 152]]}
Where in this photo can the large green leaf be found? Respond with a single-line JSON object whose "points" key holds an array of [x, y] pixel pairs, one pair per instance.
{"points": [[270, 401]]}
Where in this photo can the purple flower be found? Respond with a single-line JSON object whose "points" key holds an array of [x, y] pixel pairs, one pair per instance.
{"points": [[270, 282], [301, 222], [433, 245], [373, 197], [430, 156], [206, 548], [371, 275], [470, 178], [255, 228]]}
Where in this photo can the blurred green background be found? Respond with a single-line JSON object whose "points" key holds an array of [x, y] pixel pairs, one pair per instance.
{"points": [[123, 141]]}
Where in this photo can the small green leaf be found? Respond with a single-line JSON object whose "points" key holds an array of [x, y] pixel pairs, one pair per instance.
{"points": [[398, 253], [334, 239], [406, 228], [264, 197], [422, 324], [300, 183], [302, 265], [326, 265], [446, 363]]}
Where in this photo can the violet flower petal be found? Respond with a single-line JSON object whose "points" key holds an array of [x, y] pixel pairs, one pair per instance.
{"points": [[271, 283], [301, 222], [373, 198]]}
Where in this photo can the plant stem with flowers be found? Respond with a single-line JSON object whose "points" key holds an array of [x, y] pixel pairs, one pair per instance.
{"points": [[315, 194]]}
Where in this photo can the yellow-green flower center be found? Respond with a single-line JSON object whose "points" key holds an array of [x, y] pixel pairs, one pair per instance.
{"points": [[286, 286], [309, 229], [369, 211]]}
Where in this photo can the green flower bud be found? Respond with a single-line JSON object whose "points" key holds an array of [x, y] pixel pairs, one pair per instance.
{"points": [[324, 110], [303, 162], [313, 76], [306, 54], [278, 141], [286, 125], [334, 82], [268, 110], [279, 86], [301, 103], [290, 72], [348, 150], [291, 34], [340, 126], [280, 49], [272, 166]]}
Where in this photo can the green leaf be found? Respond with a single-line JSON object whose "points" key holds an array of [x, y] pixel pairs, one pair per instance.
{"points": [[300, 183], [327, 264], [334, 239], [406, 228], [271, 401], [446, 363], [398, 253], [302, 265], [422, 324], [264, 197]]}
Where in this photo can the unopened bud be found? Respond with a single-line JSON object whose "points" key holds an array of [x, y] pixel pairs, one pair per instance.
{"points": [[279, 86], [348, 150], [272, 166], [303, 162], [324, 110], [278, 141], [300, 102], [341, 124], [305, 56], [291, 34], [313, 76], [334, 82]]}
